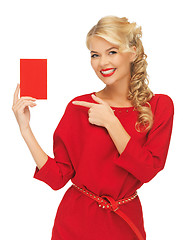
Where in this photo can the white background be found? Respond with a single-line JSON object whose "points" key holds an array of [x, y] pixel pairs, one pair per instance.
{"points": [[56, 30]]}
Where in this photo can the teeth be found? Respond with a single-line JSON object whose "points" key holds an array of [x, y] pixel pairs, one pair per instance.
{"points": [[107, 72]]}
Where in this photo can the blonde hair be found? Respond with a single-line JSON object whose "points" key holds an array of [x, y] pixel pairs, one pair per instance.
{"points": [[121, 32]]}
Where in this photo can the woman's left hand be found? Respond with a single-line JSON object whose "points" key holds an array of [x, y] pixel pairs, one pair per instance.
{"points": [[99, 114]]}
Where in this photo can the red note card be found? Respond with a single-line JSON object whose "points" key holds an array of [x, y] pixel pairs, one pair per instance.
{"points": [[33, 78]]}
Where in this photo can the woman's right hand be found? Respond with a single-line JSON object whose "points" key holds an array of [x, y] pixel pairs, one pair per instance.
{"points": [[21, 109]]}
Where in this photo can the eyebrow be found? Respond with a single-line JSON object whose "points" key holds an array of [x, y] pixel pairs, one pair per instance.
{"points": [[106, 50]]}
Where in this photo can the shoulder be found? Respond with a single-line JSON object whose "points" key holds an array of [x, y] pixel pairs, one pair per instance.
{"points": [[162, 98], [162, 103], [73, 113], [83, 97]]}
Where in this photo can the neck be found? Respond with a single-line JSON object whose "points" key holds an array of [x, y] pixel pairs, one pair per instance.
{"points": [[118, 91]]}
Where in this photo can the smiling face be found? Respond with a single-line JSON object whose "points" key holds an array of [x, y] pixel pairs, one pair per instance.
{"points": [[109, 64]]}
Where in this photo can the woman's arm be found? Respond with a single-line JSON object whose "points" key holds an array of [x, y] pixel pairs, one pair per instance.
{"points": [[145, 161], [117, 133], [56, 171], [22, 113], [40, 157]]}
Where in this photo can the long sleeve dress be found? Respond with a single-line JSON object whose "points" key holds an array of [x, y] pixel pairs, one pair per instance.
{"points": [[86, 154]]}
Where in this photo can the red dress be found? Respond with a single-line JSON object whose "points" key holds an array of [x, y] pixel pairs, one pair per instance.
{"points": [[86, 154]]}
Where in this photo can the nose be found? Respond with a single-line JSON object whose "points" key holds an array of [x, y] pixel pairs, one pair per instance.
{"points": [[104, 61]]}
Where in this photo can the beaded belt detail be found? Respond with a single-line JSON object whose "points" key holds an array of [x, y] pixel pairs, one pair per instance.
{"points": [[106, 204], [113, 205]]}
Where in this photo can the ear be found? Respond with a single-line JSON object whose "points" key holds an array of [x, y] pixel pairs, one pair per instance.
{"points": [[133, 54]]}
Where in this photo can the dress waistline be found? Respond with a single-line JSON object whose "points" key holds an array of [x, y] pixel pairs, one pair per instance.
{"points": [[108, 202]]}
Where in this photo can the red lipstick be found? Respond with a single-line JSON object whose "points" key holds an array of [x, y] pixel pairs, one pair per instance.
{"points": [[106, 70]]}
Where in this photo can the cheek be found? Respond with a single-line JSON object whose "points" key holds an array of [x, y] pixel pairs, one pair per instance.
{"points": [[94, 65], [120, 61], [122, 64]]}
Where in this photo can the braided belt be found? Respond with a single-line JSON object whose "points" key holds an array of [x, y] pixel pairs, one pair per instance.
{"points": [[113, 205]]}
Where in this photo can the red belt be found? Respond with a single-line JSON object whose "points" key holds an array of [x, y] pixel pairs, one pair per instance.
{"points": [[113, 205]]}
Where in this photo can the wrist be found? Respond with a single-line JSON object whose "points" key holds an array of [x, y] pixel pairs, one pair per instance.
{"points": [[25, 130], [111, 122]]}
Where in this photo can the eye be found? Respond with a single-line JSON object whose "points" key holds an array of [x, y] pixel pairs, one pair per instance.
{"points": [[93, 56], [112, 52]]}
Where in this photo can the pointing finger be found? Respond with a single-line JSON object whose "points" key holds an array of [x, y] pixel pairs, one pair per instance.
{"points": [[83, 103], [99, 100]]}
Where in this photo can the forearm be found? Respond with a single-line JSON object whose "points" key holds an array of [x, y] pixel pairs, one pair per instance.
{"points": [[40, 157], [118, 134]]}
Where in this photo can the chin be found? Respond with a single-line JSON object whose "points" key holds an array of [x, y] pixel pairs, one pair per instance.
{"points": [[107, 80], [108, 83]]}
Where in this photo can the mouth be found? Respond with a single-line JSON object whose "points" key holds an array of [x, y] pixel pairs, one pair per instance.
{"points": [[107, 72]]}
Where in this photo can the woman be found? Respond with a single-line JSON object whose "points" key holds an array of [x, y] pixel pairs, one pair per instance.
{"points": [[109, 143]]}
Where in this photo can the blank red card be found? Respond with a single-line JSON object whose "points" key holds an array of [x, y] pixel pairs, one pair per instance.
{"points": [[33, 78]]}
